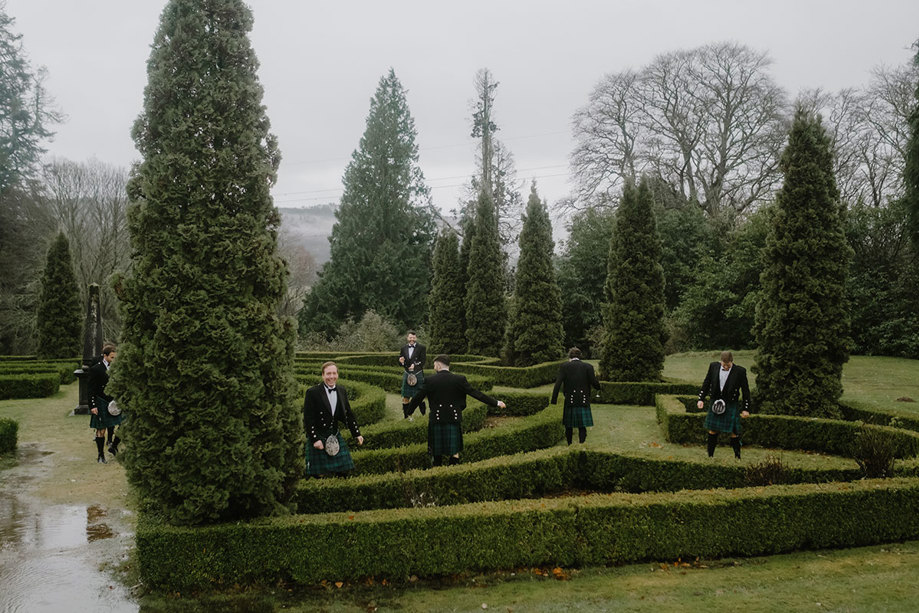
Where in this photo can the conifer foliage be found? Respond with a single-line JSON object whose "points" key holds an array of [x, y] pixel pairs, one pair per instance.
{"points": [[380, 253], [205, 367], [486, 310], [535, 329], [445, 305], [633, 347], [802, 325], [911, 169], [59, 321]]}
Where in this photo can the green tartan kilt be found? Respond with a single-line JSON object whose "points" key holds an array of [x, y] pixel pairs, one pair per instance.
{"points": [[320, 463], [103, 420], [444, 439], [577, 417], [409, 391], [729, 421]]}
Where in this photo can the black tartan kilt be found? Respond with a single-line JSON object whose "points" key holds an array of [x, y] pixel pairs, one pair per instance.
{"points": [[409, 391], [320, 463], [445, 439], [103, 420], [729, 421], [577, 417]]}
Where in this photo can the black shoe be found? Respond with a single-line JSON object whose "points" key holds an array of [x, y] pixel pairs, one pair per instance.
{"points": [[101, 460], [112, 450], [405, 412], [423, 408]]}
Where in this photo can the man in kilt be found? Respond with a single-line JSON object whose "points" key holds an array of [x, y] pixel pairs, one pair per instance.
{"points": [[324, 405], [100, 420], [446, 393], [577, 377], [724, 383], [412, 357]]}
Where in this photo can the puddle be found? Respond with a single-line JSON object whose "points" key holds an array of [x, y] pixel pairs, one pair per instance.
{"points": [[52, 556]]}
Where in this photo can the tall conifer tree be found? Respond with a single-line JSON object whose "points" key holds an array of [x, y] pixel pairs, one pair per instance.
{"points": [[911, 170], [633, 349], [445, 305], [802, 325], [59, 321], [381, 243], [486, 310], [535, 329], [205, 367]]}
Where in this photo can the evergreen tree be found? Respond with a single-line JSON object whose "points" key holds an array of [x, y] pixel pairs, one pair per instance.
{"points": [[205, 368], [911, 169], [486, 311], [633, 348], [59, 321], [802, 324], [381, 244], [535, 329], [445, 305]]}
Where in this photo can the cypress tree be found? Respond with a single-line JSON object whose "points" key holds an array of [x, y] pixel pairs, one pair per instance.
{"points": [[381, 244], [205, 369], [535, 331], [445, 304], [59, 322], [633, 348], [911, 169], [802, 325], [486, 311]]}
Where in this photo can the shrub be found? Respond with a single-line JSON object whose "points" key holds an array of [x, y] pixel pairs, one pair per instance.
{"points": [[9, 430], [29, 385], [874, 451], [511, 376], [769, 471]]}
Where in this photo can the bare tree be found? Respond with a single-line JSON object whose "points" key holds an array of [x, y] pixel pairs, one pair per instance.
{"points": [[302, 269], [709, 121], [89, 202]]}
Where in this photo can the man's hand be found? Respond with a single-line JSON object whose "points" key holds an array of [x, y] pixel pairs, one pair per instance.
{"points": [[745, 413], [501, 405], [700, 405], [401, 360], [318, 445], [94, 411], [411, 367], [360, 440]]}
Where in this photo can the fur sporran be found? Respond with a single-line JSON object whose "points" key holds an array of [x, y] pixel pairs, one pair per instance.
{"points": [[331, 445], [412, 379]]}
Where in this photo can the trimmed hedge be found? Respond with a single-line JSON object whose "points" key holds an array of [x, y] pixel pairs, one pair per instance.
{"points": [[404, 432], [511, 376], [779, 431], [641, 392], [526, 434], [590, 530], [9, 430], [532, 475], [520, 403], [29, 385], [390, 381]]}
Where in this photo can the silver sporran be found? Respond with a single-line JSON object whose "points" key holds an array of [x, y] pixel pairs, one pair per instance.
{"points": [[331, 445], [718, 407], [412, 379], [113, 409]]}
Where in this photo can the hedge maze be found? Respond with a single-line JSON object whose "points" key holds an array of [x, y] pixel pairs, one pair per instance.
{"points": [[28, 377], [519, 498]]}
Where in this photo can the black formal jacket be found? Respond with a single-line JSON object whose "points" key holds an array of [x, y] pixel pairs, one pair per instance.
{"points": [[577, 377], [736, 383], [97, 380], [446, 394], [419, 357], [317, 412]]}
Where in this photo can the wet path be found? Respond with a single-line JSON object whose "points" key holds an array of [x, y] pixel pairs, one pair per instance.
{"points": [[57, 557]]}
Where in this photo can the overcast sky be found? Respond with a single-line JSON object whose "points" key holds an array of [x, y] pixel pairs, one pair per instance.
{"points": [[321, 62]]}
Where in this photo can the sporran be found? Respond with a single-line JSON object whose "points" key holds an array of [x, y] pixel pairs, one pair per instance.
{"points": [[718, 407], [412, 379], [113, 409], [331, 445]]}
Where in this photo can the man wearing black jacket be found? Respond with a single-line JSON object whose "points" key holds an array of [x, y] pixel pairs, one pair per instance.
{"points": [[577, 377], [99, 400], [412, 357], [446, 393], [724, 382], [324, 406]]}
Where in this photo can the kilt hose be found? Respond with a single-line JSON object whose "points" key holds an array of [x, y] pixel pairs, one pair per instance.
{"points": [[444, 439], [577, 417], [729, 421], [320, 463]]}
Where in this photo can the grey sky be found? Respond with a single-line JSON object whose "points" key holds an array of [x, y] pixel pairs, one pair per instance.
{"points": [[321, 61]]}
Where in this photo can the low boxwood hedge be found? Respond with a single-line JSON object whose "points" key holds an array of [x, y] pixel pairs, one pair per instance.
{"points": [[64, 369], [642, 392], [29, 385], [519, 403], [511, 376], [531, 475], [779, 431], [578, 531], [9, 430], [404, 432], [389, 380], [524, 434]]}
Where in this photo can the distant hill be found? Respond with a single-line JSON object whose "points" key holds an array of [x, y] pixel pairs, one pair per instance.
{"points": [[310, 227]]}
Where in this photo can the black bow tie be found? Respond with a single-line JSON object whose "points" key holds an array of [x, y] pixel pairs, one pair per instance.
{"points": [[331, 389]]}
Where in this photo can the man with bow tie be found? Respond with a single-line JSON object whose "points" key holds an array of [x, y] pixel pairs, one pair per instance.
{"points": [[325, 405], [412, 357], [724, 383]]}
